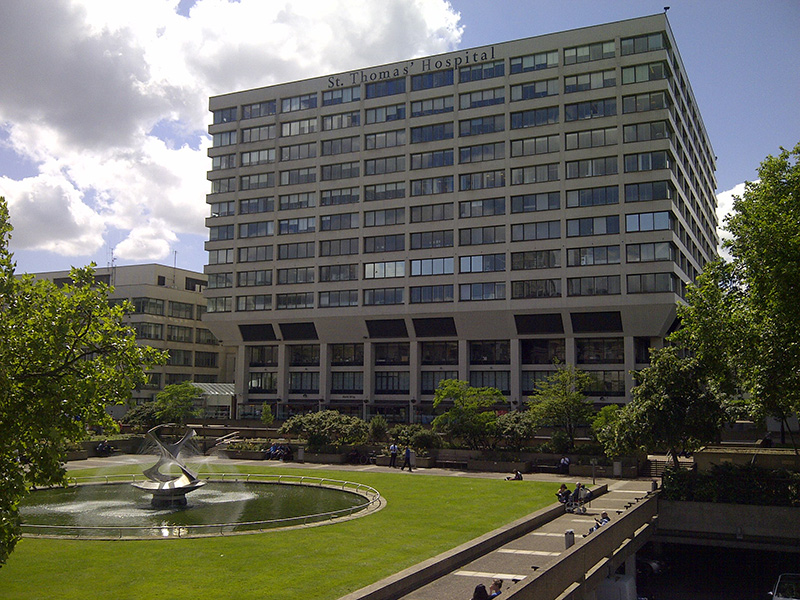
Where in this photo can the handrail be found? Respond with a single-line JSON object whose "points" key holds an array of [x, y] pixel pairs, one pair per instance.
{"points": [[371, 495]]}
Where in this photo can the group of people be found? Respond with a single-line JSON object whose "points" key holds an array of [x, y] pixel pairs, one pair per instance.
{"points": [[394, 451], [104, 448], [580, 494], [481, 593], [278, 452]]}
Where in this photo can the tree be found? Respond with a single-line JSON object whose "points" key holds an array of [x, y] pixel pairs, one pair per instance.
{"points": [[560, 401], [676, 406], [325, 428], [472, 417], [266, 414], [515, 428], [175, 403], [141, 417], [742, 319], [378, 429], [65, 354]]}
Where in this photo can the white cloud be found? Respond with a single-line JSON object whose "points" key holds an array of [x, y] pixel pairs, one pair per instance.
{"points": [[110, 99], [724, 208]]}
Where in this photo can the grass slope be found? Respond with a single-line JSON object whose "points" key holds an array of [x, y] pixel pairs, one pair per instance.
{"points": [[425, 515]]}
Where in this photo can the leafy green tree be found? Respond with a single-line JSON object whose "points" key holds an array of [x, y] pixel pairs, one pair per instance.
{"points": [[515, 428], [142, 417], [560, 402], [65, 354], [326, 428], [604, 427], [676, 406], [742, 318], [176, 402], [378, 429], [404, 433], [267, 418], [472, 417]]}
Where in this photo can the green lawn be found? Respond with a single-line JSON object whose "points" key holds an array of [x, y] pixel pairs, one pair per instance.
{"points": [[425, 515]]}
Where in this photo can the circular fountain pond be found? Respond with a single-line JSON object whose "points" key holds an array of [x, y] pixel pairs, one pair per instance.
{"points": [[103, 508]]}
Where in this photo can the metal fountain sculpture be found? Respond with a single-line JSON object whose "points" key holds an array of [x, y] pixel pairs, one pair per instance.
{"points": [[169, 489]]}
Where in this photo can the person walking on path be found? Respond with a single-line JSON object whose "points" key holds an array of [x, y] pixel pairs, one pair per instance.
{"points": [[393, 456], [407, 459]]}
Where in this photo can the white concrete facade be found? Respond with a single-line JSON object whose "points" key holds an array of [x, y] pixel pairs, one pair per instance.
{"points": [[475, 214]]}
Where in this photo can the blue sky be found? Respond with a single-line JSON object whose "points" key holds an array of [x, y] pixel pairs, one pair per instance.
{"points": [[103, 107]]}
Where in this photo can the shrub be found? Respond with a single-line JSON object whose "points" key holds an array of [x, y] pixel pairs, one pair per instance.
{"points": [[378, 429], [325, 428]]}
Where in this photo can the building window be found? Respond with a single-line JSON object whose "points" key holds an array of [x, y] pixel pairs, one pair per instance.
{"points": [[343, 355], [593, 226], [534, 62], [432, 212], [439, 353], [604, 285], [254, 302], [223, 209], [220, 232], [535, 202], [482, 71], [295, 301], [428, 294], [220, 257], [495, 352], [651, 190], [262, 383], [293, 251], [432, 186], [255, 254], [531, 380], [432, 106], [487, 263], [224, 138], [652, 283], [432, 266], [480, 153], [220, 186], [426, 81], [607, 383], [482, 208], [304, 383], [338, 273], [476, 236], [384, 191], [295, 275], [380, 166], [589, 52], [535, 288], [645, 132], [299, 225], [383, 114], [392, 353], [258, 157], [258, 134], [381, 218], [340, 196], [179, 358], [250, 206], [470, 292], [204, 336], [429, 380], [645, 102], [253, 278], [542, 352], [653, 221], [537, 117], [226, 161], [534, 174], [593, 138], [384, 243], [482, 98], [258, 229], [481, 125], [255, 182], [262, 356], [149, 331], [341, 95], [592, 167], [340, 171], [593, 255], [431, 160], [390, 87], [338, 298], [642, 43], [647, 161], [483, 180], [384, 270], [595, 351], [432, 239], [341, 146], [225, 115], [593, 109], [642, 73], [599, 196], [260, 109], [220, 304], [392, 382], [342, 247], [341, 121], [298, 151], [590, 81], [385, 139], [534, 89], [207, 360], [299, 176], [535, 145], [148, 306], [347, 382], [543, 230], [296, 201], [301, 127], [383, 296], [651, 252], [296, 103], [496, 379], [339, 221], [535, 259], [432, 133]]}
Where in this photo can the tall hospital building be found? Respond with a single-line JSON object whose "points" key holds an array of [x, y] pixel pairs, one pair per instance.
{"points": [[476, 215]]}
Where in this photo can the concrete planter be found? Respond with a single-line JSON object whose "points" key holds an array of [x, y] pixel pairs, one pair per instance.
{"points": [[76, 455], [422, 462], [333, 459]]}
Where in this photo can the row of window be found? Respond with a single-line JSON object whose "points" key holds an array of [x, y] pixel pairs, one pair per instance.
{"points": [[600, 285], [174, 333], [157, 306], [441, 78]]}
